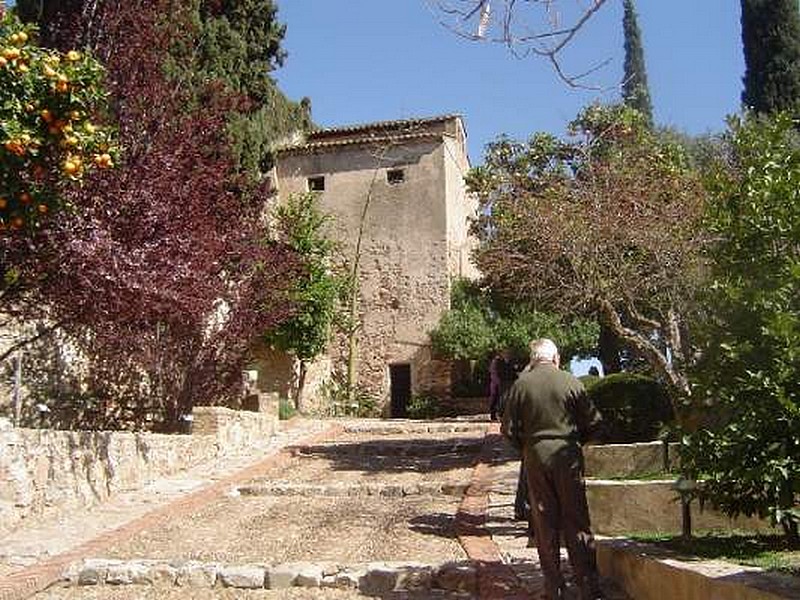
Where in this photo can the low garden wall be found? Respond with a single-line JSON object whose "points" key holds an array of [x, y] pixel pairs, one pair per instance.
{"points": [[43, 470]]}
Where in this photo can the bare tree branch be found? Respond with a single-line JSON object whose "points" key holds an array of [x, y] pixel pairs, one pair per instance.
{"points": [[43, 332], [473, 20]]}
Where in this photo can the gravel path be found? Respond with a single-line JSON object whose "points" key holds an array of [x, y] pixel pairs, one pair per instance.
{"points": [[157, 593], [287, 529]]}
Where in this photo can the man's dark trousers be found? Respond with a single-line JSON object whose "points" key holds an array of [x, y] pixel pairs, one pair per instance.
{"points": [[558, 506]]}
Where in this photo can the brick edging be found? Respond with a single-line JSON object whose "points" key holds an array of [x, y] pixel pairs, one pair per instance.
{"points": [[26, 582], [496, 580]]}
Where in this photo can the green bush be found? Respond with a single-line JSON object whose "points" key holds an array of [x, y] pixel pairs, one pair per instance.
{"points": [[363, 403], [635, 408], [423, 406], [286, 409]]}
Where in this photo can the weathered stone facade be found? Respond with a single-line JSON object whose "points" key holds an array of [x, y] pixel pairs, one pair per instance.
{"points": [[400, 183]]}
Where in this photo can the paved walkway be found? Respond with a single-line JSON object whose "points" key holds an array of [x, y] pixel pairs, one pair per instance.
{"points": [[405, 480]]}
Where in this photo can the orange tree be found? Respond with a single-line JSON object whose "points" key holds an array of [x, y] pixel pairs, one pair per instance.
{"points": [[48, 100]]}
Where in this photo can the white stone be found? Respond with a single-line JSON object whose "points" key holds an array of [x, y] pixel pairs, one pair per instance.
{"points": [[242, 576], [197, 574], [309, 575], [279, 577]]}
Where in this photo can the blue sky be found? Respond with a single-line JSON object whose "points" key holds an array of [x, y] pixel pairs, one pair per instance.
{"points": [[366, 60]]}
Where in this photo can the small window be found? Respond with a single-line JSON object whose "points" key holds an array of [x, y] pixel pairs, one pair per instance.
{"points": [[395, 176], [316, 184]]}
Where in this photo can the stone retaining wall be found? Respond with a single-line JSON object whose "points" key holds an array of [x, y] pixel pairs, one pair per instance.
{"points": [[648, 573], [372, 579], [44, 471], [630, 460], [624, 507]]}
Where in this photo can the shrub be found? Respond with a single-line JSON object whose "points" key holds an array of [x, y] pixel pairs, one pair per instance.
{"points": [[423, 406], [635, 407], [286, 409]]}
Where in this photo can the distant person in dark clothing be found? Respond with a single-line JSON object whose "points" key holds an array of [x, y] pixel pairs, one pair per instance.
{"points": [[594, 371], [547, 416], [501, 376]]}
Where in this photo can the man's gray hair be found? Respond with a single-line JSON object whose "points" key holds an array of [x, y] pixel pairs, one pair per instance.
{"points": [[543, 351]]}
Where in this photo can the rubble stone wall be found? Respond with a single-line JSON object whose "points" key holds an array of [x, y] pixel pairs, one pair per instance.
{"points": [[43, 471]]}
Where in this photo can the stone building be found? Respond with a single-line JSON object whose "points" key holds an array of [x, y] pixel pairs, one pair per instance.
{"points": [[401, 183]]}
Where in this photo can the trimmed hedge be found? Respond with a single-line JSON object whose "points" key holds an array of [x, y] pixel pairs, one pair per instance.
{"points": [[635, 407]]}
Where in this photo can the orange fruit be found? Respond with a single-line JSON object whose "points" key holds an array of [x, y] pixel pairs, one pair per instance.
{"points": [[25, 198], [43, 208], [71, 167], [3, 203]]}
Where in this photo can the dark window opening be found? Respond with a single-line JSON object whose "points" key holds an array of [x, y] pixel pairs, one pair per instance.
{"points": [[316, 184], [395, 176]]}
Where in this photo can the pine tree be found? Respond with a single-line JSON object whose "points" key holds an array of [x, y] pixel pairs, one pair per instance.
{"points": [[771, 40], [635, 91]]}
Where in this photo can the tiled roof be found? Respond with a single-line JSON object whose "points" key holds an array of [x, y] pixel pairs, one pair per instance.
{"points": [[375, 138], [380, 125]]}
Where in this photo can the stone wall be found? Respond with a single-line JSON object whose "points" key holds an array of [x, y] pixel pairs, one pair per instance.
{"points": [[44, 471]]}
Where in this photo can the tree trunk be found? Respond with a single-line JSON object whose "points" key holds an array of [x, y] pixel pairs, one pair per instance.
{"points": [[301, 383], [609, 350], [791, 531]]}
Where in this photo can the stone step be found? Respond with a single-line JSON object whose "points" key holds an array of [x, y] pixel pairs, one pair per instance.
{"points": [[390, 490], [415, 448], [415, 427], [370, 578], [620, 507]]}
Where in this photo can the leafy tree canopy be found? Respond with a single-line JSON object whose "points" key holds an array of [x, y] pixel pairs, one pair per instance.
{"points": [[316, 291], [477, 326], [605, 224], [48, 133], [749, 454]]}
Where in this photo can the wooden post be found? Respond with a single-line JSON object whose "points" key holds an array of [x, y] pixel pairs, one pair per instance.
{"points": [[17, 387]]}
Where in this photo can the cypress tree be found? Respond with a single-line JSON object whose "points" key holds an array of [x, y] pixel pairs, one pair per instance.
{"points": [[240, 45], [635, 91], [771, 40]]}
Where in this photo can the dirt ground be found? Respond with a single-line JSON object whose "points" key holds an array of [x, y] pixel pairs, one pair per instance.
{"points": [[135, 592], [345, 530]]}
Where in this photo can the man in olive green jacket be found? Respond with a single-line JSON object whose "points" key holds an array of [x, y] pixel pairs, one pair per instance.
{"points": [[547, 416]]}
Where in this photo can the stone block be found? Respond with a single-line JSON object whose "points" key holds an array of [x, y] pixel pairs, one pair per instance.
{"points": [[119, 574], [309, 575], [196, 574], [160, 573], [414, 578], [378, 579], [345, 579], [279, 577], [624, 460], [94, 571], [242, 576], [71, 573], [454, 577]]}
